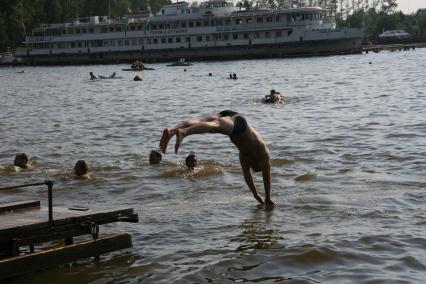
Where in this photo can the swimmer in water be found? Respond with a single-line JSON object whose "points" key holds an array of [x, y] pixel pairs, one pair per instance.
{"points": [[274, 97], [137, 78], [81, 169], [92, 76], [254, 153], [113, 75], [154, 157], [21, 160], [191, 161]]}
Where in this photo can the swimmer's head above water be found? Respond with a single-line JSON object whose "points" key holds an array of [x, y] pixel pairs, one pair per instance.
{"points": [[21, 160], [191, 161], [81, 169], [155, 157]]}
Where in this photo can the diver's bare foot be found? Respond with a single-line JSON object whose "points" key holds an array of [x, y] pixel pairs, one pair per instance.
{"points": [[165, 138], [179, 139]]}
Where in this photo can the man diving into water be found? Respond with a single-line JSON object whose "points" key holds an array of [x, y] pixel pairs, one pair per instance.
{"points": [[254, 153]]}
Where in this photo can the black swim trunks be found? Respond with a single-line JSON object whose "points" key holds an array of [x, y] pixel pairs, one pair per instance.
{"points": [[240, 123]]}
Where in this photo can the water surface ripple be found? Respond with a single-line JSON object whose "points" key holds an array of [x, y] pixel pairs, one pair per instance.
{"points": [[348, 163]]}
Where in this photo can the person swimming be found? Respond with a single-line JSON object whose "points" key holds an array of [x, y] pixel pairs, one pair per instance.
{"points": [[21, 160], [273, 97], [92, 76], [81, 169], [191, 161], [137, 78], [154, 157]]}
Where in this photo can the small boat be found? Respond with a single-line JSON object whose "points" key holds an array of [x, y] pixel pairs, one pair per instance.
{"points": [[181, 62]]}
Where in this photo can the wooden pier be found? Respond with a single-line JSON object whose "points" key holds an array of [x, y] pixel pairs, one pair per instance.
{"points": [[392, 47], [25, 225]]}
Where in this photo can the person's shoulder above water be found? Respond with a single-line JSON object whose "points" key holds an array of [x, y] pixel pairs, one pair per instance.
{"points": [[22, 161], [81, 170]]}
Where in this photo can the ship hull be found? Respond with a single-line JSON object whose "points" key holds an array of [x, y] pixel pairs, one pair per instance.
{"points": [[279, 50]]}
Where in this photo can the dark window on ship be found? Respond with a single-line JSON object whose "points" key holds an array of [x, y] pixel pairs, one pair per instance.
{"points": [[103, 30], [132, 28], [249, 20], [277, 19], [278, 34], [167, 26], [155, 41], [183, 24], [207, 38], [267, 34], [148, 41], [259, 19], [199, 38], [120, 42], [198, 23], [160, 26], [246, 36], [188, 39], [72, 45], [191, 24], [170, 39], [134, 42], [235, 36], [178, 39], [206, 23], [91, 30], [269, 19], [126, 42], [111, 29], [163, 40], [227, 22], [238, 21], [64, 32], [256, 35], [219, 22], [84, 31], [79, 44], [153, 27], [289, 32], [225, 37], [77, 31]]}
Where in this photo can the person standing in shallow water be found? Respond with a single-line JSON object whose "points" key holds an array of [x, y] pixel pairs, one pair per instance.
{"points": [[81, 169], [254, 153]]}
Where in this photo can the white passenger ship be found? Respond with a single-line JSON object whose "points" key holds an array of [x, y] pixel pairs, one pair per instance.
{"points": [[215, 29]]}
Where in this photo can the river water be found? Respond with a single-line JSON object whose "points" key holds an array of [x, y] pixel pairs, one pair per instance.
{"points": [[348, 166]]}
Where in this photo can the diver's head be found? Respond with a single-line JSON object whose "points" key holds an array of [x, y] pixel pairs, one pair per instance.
{"points": [[81, 168], [155, 157], [21, 160], [191, 161]]}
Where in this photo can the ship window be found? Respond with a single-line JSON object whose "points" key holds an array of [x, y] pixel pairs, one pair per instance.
{"points": [[132, 28], [148, 41], [139, 27], [178, 39], [198, 23], [163, 40], [126, 42], [91, 30], [84, 31], [183, 24], [188, 11], [111, 29], [72, 45], [227, 22], [289, 32], [161, 26], [77, 31], [191, 24], [246, 36], [153, 26], [206, 23], [278, 34], [199, 38], [120, 42], [225, 37], [269, 19], [259, 19], [219, 22], [64, 31], [207, 38], [140, 41], [155, 41], [238, 21], [277, 19], [267, 34], [134, 42], [235, 36], [167, 26], [79, 44], [256, 35], [188, 39], [249, 20], [103, 30], [170, 40]]}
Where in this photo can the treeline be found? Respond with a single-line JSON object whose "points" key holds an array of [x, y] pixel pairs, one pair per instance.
{"points": [[19, 17]]}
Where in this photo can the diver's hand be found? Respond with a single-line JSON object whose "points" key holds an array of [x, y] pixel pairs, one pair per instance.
{"points": [[270, 203]]}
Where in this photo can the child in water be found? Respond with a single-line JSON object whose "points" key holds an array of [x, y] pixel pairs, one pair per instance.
{"points": [[81, 169]]}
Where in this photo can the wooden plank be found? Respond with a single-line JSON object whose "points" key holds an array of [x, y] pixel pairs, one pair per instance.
{"points": [[19, 265], [18, 205], [19, 223]]}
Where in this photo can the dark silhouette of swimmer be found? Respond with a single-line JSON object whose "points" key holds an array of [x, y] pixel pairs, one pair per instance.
{"points": [[154, 157], [113, 75], [137, 78], [230, 76], [234, 76], [81, 169], [273, 97], [254, 153], [92, 76], [210, 74], [191, 161], [22, 161]]}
